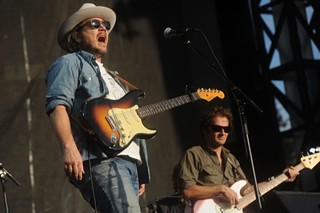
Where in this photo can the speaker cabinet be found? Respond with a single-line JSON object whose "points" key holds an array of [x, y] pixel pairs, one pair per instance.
{"points": [[292, 202]]}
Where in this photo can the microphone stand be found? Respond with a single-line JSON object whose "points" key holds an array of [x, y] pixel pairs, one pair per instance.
{"points": [[3, 174], [242, 99]]}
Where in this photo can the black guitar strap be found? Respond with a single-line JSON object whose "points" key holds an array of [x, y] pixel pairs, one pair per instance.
{"points": [[236, 168]]}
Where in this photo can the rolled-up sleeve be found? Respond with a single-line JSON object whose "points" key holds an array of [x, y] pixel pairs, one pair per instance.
{"points": [[61, 83], [189, 172]]}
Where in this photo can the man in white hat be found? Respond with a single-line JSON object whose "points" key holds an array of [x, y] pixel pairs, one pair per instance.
{"points": [[111, 180]]}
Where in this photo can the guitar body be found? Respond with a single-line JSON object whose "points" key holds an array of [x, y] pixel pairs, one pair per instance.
{"points": [[116, 122], [218, 205]]}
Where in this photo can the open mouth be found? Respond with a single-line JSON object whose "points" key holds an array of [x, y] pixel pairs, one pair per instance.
{"points": [[102, 39]]}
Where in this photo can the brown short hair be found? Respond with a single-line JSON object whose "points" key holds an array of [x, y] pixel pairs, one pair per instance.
{"points": [[216, 111]]}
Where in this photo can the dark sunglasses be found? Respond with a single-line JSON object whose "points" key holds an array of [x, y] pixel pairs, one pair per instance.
{"points": [[95, 23], [217, 128]]}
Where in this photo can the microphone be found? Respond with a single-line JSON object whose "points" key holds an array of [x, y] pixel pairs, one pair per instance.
{"points": [[169, 33]]}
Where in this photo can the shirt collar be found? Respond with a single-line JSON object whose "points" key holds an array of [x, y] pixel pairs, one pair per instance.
{"points": [[87, 56]]}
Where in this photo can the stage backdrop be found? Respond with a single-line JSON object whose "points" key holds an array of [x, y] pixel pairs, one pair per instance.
{"points": [[163, 68]]}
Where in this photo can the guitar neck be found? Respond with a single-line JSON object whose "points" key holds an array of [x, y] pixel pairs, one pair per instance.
{"points": [[266, 187], [162, 106]]}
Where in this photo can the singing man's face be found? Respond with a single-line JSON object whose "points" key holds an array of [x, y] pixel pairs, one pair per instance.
{"points": [[93, 39]]}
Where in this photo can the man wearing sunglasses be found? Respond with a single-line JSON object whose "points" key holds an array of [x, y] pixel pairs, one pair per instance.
{"points": [[208, 171], [108, 182]]}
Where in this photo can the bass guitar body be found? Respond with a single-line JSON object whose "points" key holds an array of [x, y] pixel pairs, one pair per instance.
{"points": [[218, 205]]}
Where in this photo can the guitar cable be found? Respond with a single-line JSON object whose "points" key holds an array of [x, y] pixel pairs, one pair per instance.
{"points": [[89, 133], [91, 180]]}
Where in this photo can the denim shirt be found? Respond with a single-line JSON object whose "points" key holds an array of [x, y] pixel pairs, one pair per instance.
{"points": [[72, 79]]}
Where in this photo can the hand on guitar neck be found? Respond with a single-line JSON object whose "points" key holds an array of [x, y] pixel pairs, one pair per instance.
{"points": [[290, 172], [245, 189]]}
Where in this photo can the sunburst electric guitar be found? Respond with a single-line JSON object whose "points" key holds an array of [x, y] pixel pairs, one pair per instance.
{"points": [[218, 205], [117, 122]]}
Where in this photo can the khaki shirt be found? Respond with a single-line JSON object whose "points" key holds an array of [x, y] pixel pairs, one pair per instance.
{"points": [[200, 166]]}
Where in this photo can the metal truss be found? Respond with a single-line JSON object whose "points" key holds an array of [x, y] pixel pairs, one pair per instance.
{"points": [[288, 41]]}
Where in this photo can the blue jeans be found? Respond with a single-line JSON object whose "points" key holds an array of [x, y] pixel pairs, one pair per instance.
{"points": [[115, 183]]}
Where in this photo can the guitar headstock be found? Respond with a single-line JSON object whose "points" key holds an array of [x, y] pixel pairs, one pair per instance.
{"points": [[209, 94], [312, 160]]}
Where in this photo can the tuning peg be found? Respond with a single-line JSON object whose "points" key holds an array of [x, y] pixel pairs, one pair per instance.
{"points": [[312, 150]]}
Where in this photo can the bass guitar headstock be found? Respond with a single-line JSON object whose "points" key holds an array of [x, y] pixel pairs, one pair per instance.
{"points": [[312, 159]]}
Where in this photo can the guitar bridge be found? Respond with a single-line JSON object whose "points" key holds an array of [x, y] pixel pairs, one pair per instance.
{"points": [[111, 123]]}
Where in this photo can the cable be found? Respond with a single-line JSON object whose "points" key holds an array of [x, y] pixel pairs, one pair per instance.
{"points": [[91, 180], [213, 54]]}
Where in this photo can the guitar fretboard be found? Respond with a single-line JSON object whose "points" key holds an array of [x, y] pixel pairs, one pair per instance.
{"points": [[162, 106]]}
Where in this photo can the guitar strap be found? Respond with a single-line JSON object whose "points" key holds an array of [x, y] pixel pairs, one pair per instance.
{"points": [[128, 85], [236, 168], [86, 129]]}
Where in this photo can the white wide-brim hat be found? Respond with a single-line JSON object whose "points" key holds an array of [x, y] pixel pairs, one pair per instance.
{"points": [[86, 11]]}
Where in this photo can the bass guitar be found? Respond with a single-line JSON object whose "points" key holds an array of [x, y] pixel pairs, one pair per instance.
{"points": [[218, 205], [117, 122]]}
